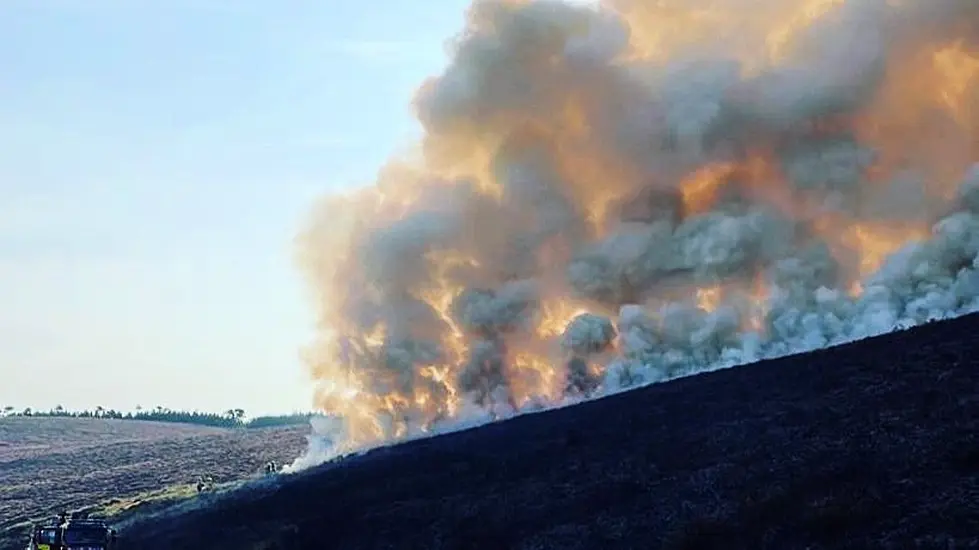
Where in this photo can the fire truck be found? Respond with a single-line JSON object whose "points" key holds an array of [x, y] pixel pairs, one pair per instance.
{"points": [[70, 533]]}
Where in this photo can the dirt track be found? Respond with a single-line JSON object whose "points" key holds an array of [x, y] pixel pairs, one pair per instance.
{"points": [[869, 445], [74, 463]]}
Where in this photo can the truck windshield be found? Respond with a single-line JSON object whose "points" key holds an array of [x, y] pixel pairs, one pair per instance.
{"points": [[84, 535], [47, 536]]}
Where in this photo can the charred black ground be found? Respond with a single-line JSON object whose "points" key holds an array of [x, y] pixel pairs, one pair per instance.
{"points": [[868, 445]]}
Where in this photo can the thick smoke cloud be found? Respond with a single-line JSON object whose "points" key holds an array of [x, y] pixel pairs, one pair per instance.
{"points": [[618, 194]]}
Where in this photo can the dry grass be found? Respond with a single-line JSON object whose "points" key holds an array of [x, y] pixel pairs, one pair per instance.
{"points": [[51, 464], [25, 438]]}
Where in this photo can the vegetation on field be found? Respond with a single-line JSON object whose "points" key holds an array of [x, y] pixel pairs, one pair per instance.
{"points": [[231, 418]]}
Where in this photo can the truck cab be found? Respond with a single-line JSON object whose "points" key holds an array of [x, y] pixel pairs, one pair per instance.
{"points": [[73, 534], [45, 538]]}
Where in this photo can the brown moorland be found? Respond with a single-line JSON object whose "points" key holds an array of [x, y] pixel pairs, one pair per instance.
{"points": [[53, 464]]}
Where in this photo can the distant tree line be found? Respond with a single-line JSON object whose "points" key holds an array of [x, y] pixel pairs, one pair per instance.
{"points": [[231, 418]]}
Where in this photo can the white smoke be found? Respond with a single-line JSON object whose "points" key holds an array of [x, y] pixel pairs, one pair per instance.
{"points": [[694, 201]]}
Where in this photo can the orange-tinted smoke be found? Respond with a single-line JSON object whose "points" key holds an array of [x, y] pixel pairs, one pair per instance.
{"points": [[558, 126]]}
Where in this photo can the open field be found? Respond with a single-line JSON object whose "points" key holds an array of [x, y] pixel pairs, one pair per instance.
{"points": [[50, 464], [873, 444]]}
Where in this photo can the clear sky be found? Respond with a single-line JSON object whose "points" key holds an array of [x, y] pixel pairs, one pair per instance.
{"points": [[156, 159]]}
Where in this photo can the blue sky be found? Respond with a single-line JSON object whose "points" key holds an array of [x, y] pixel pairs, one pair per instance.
{"points": [[157, 158]]}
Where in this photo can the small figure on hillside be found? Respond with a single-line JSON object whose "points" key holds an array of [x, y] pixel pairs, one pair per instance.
{"points": [[271, 468], [204, 483]]}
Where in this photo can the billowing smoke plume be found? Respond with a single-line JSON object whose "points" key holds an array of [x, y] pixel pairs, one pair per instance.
{"points": [[615, 195]]}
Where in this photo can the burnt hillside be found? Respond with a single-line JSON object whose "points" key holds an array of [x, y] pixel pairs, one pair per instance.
{"points": [[869, 445]]}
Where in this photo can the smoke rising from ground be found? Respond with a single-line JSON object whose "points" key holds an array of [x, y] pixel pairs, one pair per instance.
{"points": [[618, 194]]}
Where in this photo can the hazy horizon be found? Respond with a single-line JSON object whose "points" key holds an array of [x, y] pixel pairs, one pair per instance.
{"points": [[45, 411], [157, 162]]}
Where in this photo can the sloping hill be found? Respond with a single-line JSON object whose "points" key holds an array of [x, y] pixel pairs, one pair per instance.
{"points": [[53, 464], [868, 445]]}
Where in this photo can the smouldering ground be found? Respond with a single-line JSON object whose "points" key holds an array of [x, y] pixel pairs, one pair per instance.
{"points": [[50, 464], [868, 445]]}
